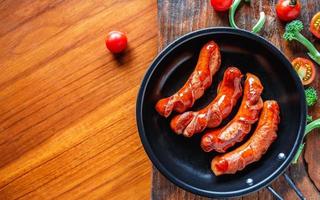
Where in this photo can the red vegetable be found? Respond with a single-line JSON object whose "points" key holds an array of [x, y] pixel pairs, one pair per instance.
{"points": [[305, 69], [315, 25], [288, 10], [221, 5], [116, 41]]}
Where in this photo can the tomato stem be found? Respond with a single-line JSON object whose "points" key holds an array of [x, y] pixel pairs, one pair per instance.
{"points": [[293, 2]]}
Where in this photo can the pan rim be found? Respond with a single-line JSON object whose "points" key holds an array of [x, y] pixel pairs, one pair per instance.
{"points": [[139, 114]]}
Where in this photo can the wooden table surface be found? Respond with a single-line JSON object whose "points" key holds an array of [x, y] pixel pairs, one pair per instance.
{"points": [[67, 106]]}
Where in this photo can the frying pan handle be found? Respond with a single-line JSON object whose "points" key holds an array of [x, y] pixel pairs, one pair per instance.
{"points": [[274, 193], [291, 184], [294, 187]]}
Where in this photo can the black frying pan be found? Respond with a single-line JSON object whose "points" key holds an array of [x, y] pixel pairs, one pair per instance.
{"points": [[181, 159]]}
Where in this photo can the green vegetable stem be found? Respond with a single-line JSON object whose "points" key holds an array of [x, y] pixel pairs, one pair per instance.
{"points": [[311, 99], [293, 33], [256, 28], [309, 128]]}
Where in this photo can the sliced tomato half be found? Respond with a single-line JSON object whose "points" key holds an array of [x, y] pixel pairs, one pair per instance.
{"points": [[315, 25], [305, 69]]}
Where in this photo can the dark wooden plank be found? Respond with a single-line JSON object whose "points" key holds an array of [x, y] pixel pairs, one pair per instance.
{"points": [[179, 17]]}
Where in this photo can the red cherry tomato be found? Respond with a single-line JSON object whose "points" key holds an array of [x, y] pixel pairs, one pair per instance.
{"points": [[221, 5], [116, 41], [315, 25], [305, 69], [288, 10]]}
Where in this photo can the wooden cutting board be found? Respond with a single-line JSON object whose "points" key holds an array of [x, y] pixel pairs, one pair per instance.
{"points": [[175, 18]]}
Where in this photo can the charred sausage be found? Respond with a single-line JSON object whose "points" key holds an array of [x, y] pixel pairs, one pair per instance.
{"points": [[255, 147], [201, 78], [222, 139], [228, 92]]}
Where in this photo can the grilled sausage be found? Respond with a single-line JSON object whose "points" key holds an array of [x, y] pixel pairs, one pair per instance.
{"points": [[222, 139], [229, 91], [201, 78], [255, 147]]}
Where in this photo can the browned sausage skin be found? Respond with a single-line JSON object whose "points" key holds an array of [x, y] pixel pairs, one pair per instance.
{"points": [[228, 92], [255, 147], [222, 139], [201, 78]]}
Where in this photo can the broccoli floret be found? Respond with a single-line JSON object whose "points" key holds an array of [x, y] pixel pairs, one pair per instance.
{"points": [[292, 29], [309, 118], [292, 32], [311, 96]]}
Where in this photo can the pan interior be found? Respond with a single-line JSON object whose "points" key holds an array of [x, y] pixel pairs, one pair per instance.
{"points": [[181, 159]]}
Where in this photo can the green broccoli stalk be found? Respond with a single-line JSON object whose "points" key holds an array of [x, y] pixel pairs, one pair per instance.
{"points": [[293, 33], [313, 125], [311, 96], [311, 99], [256, 28]]}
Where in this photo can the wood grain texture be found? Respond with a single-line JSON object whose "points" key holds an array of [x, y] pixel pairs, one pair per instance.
{"points": [[67, 106], [179, 17]]}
